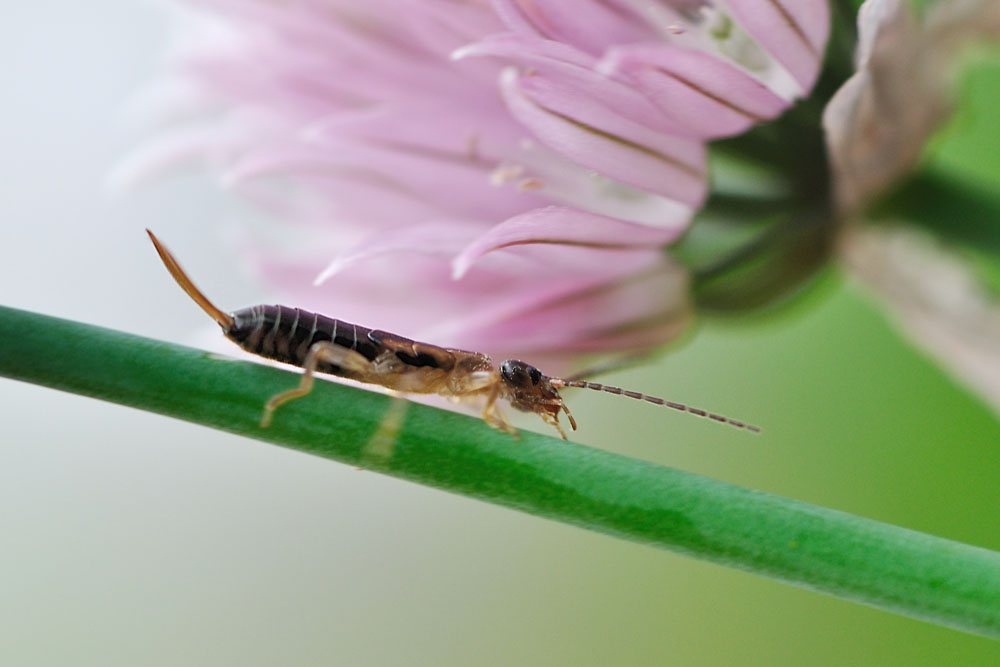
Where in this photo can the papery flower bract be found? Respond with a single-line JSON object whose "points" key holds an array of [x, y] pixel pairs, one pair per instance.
{"points": [[501, 177], [877, 126], [879, 121]]}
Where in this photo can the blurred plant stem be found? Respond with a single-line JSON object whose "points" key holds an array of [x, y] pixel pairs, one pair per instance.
{"points": [[847, 556], [963, 216]]}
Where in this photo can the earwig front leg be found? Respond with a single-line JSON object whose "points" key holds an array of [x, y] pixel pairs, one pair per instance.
{"points": [[324, 351], [554, 422]]}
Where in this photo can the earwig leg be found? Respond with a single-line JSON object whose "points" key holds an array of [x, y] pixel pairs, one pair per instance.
{"points": [[553, 420], [324, 351], [493, 416]]}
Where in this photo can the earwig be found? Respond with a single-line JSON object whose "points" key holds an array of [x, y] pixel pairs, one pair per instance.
{"points": [[320, 344]]}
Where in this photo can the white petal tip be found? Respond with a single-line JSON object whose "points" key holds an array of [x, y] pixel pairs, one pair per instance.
{"points": [[508, 75], [459, 267], [333, 268], [608, 65], [462, 52], [324, 275]]}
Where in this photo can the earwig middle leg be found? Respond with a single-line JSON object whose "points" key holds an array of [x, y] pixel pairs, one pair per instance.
{"points": [[493, 416], [326, 352]]}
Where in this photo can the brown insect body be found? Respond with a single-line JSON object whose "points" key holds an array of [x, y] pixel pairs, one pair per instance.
{"points": [[321, 344], [288, 334]]}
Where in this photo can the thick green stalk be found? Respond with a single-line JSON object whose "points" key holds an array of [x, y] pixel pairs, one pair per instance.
{"points": [[885, 566]]}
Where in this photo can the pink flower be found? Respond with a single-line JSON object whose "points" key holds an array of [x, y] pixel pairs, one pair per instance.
{"points": [[500, 177]]}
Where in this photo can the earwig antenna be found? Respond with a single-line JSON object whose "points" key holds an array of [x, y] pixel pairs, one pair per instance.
{"points": [[225, 320], [559, 382]]}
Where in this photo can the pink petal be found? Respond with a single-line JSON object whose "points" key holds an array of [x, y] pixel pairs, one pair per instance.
{"points": [[211, 143], [562, 181], [557, 225], [590, 135], [459, 187], [700, 92], [636, 308], [576, 70], [586, 24], [793, 31], [426, 239], [444, 26]]}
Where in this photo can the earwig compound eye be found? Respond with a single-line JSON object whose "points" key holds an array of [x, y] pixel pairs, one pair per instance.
{"points": [[507, 370], [321, 344], [517, 373]]}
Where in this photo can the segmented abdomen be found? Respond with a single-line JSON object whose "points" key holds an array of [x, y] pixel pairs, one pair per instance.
{"points": [[285, 334]]}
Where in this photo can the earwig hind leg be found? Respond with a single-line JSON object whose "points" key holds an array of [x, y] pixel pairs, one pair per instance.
{"points": [[326, 352]]}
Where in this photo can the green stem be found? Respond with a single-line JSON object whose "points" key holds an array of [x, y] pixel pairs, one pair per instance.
{"points": [[858, 559], [946, 205]]}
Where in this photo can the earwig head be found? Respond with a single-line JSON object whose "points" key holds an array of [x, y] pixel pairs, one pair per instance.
{"points": [[529, 390], [522, 376]]}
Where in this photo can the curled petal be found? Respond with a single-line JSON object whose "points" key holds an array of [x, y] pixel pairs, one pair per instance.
{"points": [[426, 239], [793, 31], [595, 138], [708, 97], [561, 226], [642, 305], [574, 70], [537, 168]]}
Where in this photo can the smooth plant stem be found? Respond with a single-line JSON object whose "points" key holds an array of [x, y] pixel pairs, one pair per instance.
{"points": [[954, 210], [851, 557]]}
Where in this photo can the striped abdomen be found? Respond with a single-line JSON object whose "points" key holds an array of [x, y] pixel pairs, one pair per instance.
{"points": [[286, 334]]}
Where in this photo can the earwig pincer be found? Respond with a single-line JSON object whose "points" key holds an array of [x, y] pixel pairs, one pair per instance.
{"points": [[320, 344]]}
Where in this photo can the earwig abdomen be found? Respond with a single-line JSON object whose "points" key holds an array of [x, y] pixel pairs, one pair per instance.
{"points": [[285, 334]]}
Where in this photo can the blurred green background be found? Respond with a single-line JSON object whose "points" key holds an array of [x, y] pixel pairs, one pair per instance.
{"points": [[132, 539]]}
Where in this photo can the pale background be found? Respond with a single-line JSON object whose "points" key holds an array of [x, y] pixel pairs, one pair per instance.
{"points": [[132, 539]]}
